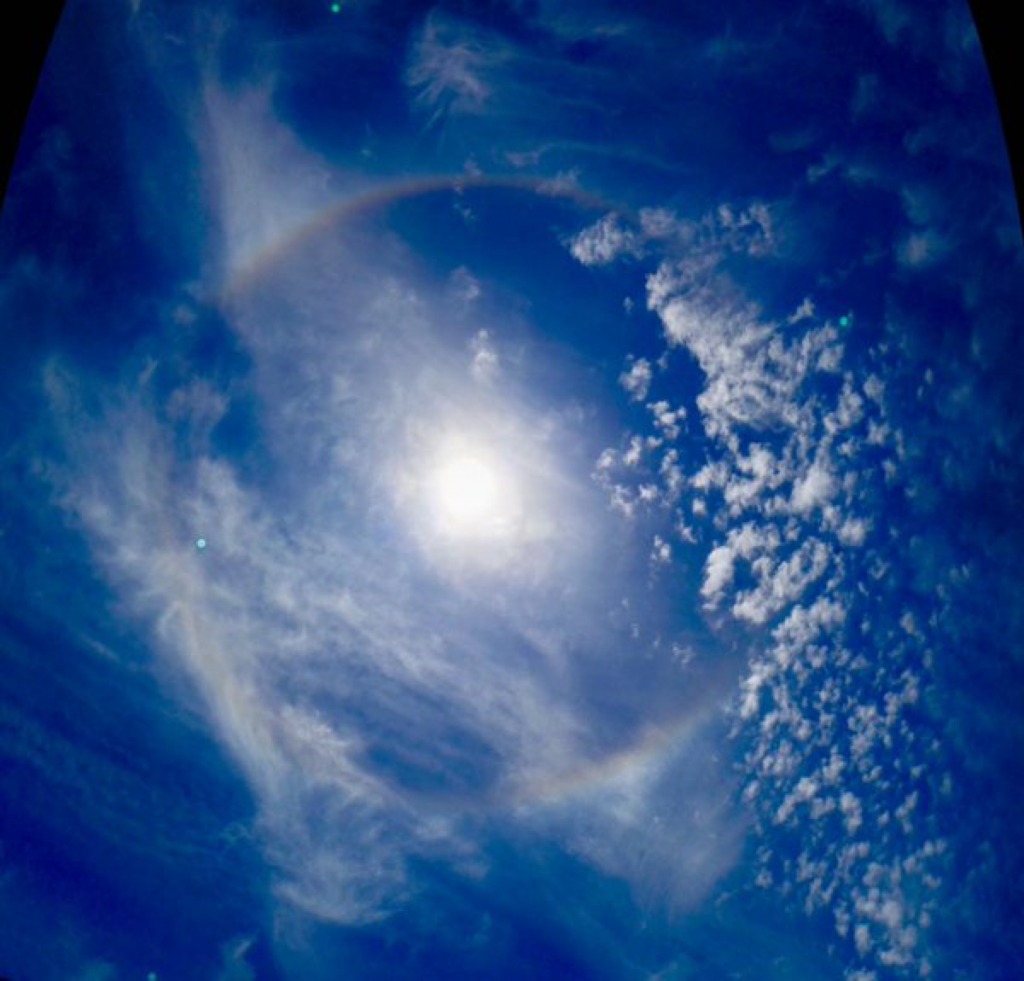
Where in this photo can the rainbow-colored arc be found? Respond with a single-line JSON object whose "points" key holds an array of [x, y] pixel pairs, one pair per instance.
{"points": [[379, 196], [657, 745], [650, 753]]}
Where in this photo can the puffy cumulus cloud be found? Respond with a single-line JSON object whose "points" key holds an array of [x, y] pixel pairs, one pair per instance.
{"points": [[815, 488], [781, 584], [727, 229], [661, 551], [805, 311], [719, 571], [753, 377], [605, 241], [636, 379], [853, 531], [664, 225], [748, 542], [668, 421]]}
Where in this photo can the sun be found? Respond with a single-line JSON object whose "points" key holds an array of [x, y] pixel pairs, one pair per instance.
{"points": [[468, 492]]}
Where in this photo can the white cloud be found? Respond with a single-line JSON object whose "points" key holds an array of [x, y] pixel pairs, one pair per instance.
{"points": [[448, 66], [805, 311], [669, 834], [607, 240], [667, 420], [798, 447], [745, 542], [718, 572], [909, 623], [852, 812], [751, 230], [922, 248], [815, 489], [255, 210], [340, 681], [665, 225], [465, 286], [300, 596], [636, 379], [334, 676], [634, 454], [752, 376], [605, 462], [874, 388], [782, 584], [661, 551], [486, 363]]}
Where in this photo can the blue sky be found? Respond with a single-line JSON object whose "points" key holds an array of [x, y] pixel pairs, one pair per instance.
{"points": [[601, 427]]}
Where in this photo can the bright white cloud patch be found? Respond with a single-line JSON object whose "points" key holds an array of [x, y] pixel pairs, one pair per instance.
{"points": [[605, 241], [814, 489], [750, 231], [636, 379]]}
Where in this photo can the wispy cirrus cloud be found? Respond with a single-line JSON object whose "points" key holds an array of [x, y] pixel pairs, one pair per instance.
{"points": [[449, 67], [388, 692]]}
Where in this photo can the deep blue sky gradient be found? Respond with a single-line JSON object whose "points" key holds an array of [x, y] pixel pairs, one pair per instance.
{"points": [[337, 743]]}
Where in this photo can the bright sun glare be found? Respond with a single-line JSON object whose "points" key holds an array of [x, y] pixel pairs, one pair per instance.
{"points": [[468, 491]]}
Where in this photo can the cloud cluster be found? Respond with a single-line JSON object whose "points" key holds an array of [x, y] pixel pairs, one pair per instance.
{"points": [[749, 231], [801, 454], [605, 241]]}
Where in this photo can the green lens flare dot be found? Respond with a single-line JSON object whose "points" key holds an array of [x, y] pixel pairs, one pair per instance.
{"points": [[200, 544]]}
